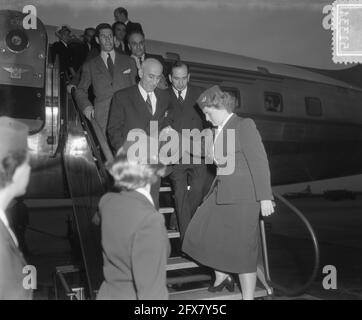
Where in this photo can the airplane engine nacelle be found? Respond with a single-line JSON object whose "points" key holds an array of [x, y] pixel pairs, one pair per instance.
{"points": [[23, 56]]}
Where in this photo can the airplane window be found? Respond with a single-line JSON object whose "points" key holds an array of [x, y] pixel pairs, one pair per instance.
{"points": [[313, 106], [273, 102]]}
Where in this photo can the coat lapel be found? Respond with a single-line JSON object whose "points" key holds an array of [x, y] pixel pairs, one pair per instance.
{"points": [[159, 110], [140, 103], [101, 66], [231, 124]]}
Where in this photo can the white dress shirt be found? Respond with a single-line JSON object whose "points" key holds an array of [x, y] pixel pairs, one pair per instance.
{"points": [[183, 92], [146, 193], [5, 221], [152, 96], [104, 56], [138, 64]]}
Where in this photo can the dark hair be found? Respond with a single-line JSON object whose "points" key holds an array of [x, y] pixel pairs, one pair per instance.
{"points": [[88, 29], [102, 26], [135, 32], [122, 10], [9, 164], [178, 64], [114, 25]]}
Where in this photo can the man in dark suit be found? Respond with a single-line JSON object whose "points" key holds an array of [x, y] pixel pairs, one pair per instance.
{"points": [[119, 32], [121, 14], [137, 46], [64, 52], [185, 114], [107, 73], [136, 106], [90, 45]]}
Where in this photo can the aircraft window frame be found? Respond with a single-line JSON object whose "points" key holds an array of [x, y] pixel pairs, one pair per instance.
{"points": [[309, 109], [279, 108]]}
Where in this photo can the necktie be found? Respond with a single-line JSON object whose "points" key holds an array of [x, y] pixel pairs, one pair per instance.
{"points": [[110, 65], [149, 103], [140, 62], [180, 99]]}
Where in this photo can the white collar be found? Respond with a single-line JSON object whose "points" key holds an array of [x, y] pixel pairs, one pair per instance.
{"points": [[104, 55], [5, 221], [146, 193], [144, 93], [220, 127], [126, 22], [66, 44], [136, 58], [183, 92]]}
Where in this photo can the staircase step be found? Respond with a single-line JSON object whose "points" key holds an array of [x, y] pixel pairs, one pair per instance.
{"points": [[204, 294], [168, 189], [173, 234], [188, 278], [177, 263], [166, 210]]}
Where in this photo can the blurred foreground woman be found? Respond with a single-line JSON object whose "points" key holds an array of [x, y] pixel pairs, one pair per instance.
{"points": [[14, 178], [134, 238], [223, 233]]}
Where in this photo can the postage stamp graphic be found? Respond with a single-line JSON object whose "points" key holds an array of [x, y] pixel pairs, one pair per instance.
{"points": [[347, 31]]}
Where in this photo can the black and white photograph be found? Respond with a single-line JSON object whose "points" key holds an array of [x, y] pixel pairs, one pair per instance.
{"points": [[181, 150]]}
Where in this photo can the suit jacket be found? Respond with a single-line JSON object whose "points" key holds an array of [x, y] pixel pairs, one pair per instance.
{"points": [[65, 56], [250, 180], [135, 248], [129, 111], [11, 269], [95, 73], [187, 115]]}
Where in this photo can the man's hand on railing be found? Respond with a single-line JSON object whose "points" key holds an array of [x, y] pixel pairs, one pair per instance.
{"points": [[89, 112], [70, 88]]}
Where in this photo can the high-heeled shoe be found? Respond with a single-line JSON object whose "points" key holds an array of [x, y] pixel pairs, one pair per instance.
{"points": [[228, 283]]}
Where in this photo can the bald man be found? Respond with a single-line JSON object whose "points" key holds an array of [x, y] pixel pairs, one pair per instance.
{"points": [[136, 106]]}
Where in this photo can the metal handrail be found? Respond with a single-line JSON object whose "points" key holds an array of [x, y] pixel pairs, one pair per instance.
{"points": [[102, 141], [304, 287]]}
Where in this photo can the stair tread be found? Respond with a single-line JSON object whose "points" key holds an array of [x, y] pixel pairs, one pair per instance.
{"points": [[176, 263], [173, 234], [166, 210], [204, 294]]}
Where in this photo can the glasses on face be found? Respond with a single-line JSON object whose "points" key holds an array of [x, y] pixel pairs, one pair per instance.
{"points": [[137, 44]]}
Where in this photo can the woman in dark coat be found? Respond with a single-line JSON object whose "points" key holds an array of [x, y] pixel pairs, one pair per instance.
{"points": [[134, 238], [223, 233]]}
